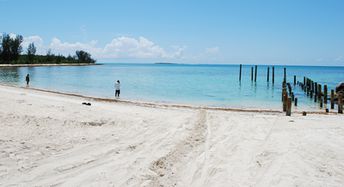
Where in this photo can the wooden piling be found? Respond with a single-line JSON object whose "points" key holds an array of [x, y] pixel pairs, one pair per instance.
{"points": [[295, 102], [340, 103], [312, 88], [325, 94], [284, 96], [255, 74], [288, 112], [294, 79], [284, 74], [240, 72], [268, 74], [332, 99], [304, 81], [319, 92], [308, 86], [285, 100], [284, 90], [273, 74], [252, 73], [321, 102], [315, 91]]}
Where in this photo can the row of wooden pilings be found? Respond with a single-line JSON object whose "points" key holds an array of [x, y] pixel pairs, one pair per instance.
{"points": [[287, 94], [254, 75], [319, 93], [311, 88]]}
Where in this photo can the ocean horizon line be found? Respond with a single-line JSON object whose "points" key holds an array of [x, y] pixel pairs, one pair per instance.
{"points": [[215, 64]]}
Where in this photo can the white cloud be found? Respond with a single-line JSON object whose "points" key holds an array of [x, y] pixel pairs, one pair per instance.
{"points": [[37, 40], [32, 39], [126, 47], [119, 47], [66, 48]]}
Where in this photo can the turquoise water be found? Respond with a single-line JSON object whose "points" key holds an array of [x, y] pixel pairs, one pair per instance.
{"points": [[209, 85]]}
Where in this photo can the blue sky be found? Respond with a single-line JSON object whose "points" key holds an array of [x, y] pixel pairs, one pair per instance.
{"points": [[304, 32]]}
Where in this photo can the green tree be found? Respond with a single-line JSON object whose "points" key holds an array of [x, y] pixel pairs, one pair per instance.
{"points": [[50, 56], [10, 48], [16, 47], [84, 57], [5, 48], [31, 51]]}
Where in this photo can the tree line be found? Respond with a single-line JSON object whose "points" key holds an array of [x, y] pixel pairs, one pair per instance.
{"points": [[11, 52]]}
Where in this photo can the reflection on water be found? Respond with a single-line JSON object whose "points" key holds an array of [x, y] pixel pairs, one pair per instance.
{"points": [[9, 75]]}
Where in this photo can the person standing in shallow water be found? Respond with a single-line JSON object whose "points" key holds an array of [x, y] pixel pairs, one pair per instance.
{"points": [[27, 79], [117, 89]]}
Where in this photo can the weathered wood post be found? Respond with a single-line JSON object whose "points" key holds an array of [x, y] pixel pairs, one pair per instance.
{"points": [[268, 74], [294, 80], [319, 92], [255, 74], [284, 89], [307, 87], [340, 103], [312, 89], [288, 112], [285, 100], [284, 96], [292, 96], [332, 99], [315, 91], [273, 74], [325, 94], [321, 101], [295, 103], [240, 72], [252, 73], [312, 85], [284, 74], [304, 81]]}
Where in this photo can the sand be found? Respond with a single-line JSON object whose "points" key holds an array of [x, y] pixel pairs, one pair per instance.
{"points": [[49, 139]]}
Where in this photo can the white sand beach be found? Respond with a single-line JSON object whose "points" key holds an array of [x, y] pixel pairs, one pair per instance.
{"points": [[50, 139]]}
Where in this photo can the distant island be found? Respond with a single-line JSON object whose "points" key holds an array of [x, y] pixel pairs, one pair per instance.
{"points": [[164, 63], [11, 53]]}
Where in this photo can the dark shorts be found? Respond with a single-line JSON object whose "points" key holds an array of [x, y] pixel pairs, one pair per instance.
{"points": [[117, 92]]}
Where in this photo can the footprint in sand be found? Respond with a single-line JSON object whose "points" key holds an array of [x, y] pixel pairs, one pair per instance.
{"points": [[20, 101]]}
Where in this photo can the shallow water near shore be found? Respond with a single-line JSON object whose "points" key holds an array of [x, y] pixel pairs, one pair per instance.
{"points": [[206, 85]]}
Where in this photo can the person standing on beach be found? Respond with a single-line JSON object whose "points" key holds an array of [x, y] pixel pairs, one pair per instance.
{"points": [[117, 89], [27, 79]]}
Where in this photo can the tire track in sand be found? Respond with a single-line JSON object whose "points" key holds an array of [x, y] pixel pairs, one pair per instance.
{"points": [[166, 168]]}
